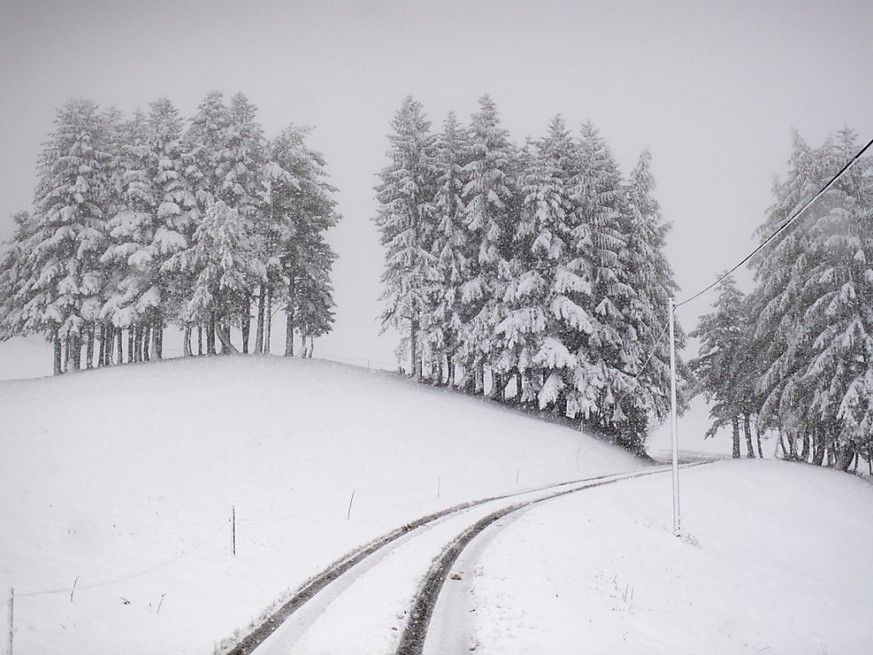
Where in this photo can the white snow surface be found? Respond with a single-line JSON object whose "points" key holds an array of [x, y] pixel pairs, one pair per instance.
{"points": [[119, 484], [118, 487], [774, 558]]}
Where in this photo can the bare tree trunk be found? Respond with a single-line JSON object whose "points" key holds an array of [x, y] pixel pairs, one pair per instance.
{"points": [[146, 339], [414, 360], [186, 342], [747, 429], [735, 428], [74, 353], [758, 437], [199, 339], [131, 344], [57, 361], [781, 444], [259, 326], [818, 448], [158, 337], [101, 353], [804, 454], [119, 345], [450, 370], [246, 323], [89, 345], [227, 348], [268, 317], [210, 334], [289, 331]]}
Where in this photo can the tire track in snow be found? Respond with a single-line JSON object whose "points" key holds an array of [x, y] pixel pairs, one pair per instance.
{"points": [[412, 641], [363, 558]]}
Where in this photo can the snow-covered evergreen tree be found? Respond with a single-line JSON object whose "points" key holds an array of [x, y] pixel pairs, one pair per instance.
{"points": [[62, 297], [600, 383], [301, 210], [242, 188], [405, 219], [15, 277], [645, 353], [448, 246], [719, 367], [815, 306], [543, 279], [488, 199]]}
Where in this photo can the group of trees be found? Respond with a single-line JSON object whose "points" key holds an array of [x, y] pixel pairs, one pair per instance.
{"points": [[140, 223], [538, 268], [795, 355]]}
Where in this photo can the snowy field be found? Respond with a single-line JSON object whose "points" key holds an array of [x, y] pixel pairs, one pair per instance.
{"points": [[775, 559], [119, 486]]}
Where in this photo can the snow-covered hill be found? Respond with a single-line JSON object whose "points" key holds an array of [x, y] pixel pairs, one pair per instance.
{"points": [[118, 487]]}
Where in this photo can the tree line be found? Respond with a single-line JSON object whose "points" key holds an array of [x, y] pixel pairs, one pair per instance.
{"points": [[539, 267], [145, 222], [795, 355]]}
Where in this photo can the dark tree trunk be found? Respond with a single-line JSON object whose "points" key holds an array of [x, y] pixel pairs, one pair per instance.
{"points": [[259, 325], [199, 339], [747, 429], [57, 362], [415, 360], [268, 318], [210, 334], [844, 457], [818, 449], [89, 345], [735, 433], [158, 337], [101, 353], [146, 339], [758, 437], [187, 351], [450, 370], [246, 323], [227, 348], [804, 453], [131, 344], [119, 345], [74, 353], [785, 453], [289, 331]]}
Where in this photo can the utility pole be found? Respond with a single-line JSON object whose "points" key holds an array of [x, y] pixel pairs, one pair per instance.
{"points": [[673, 430]]}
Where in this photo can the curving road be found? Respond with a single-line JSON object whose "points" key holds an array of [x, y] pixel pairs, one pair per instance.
{"points": [[380, 598]]}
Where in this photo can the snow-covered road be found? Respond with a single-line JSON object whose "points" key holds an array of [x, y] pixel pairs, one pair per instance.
{"points": [[366, 609]]}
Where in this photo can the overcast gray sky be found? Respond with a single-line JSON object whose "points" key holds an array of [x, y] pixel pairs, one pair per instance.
{"points": [[713, 89]]}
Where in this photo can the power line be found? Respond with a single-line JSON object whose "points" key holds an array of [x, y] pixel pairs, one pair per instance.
{"points": [[782, 227]]}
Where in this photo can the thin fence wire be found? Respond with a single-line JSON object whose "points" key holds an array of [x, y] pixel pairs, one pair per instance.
{"points": [[76, 587]]}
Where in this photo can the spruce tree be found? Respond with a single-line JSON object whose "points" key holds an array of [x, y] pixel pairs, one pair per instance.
{"points": [[531, 332], [488, 203], [405, 219], [599, 383], [63, 294], [449, 245], [645, 353], [718, 368]]}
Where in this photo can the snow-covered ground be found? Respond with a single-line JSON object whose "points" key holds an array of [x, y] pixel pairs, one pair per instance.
{"points": [[118, 487], [776, 559]]}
